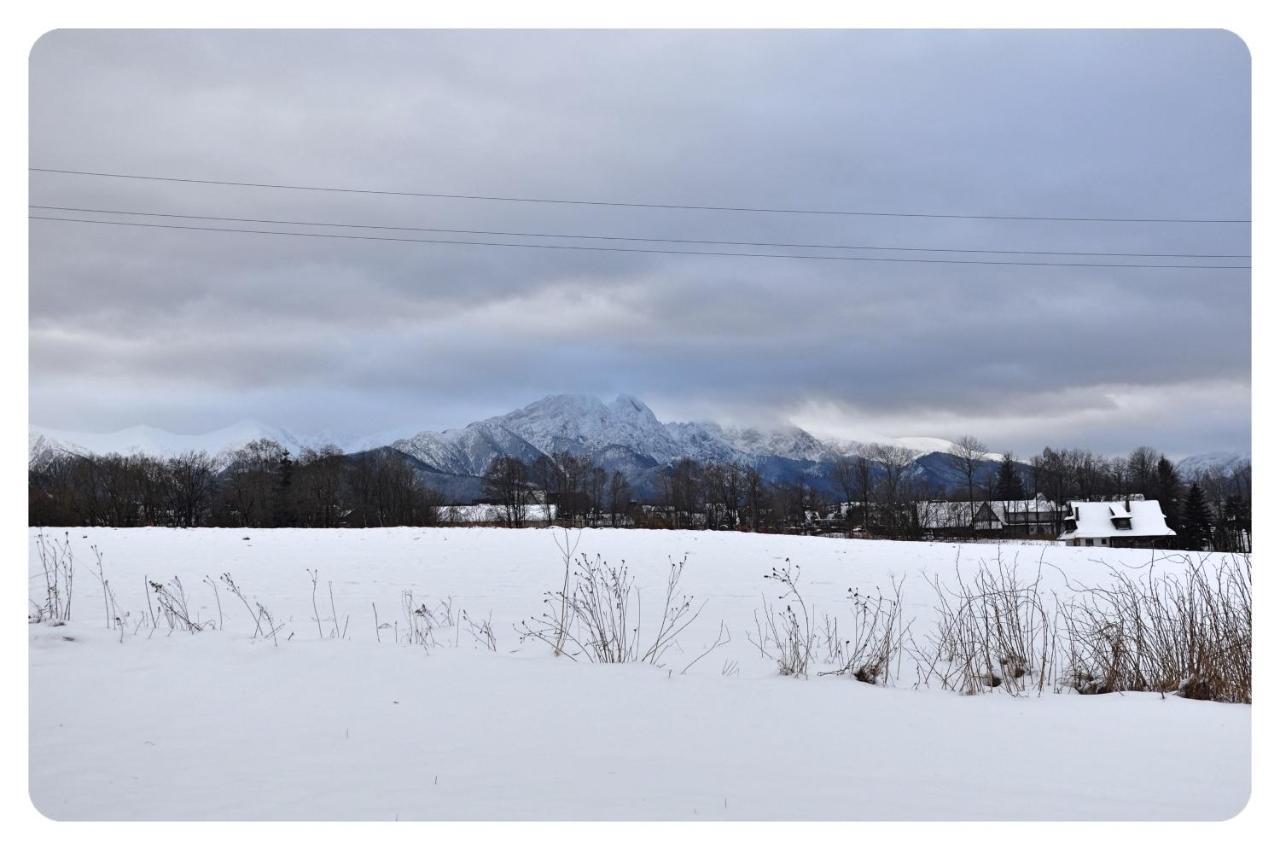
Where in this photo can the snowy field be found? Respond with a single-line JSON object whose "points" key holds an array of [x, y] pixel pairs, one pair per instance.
{"points": [[157, 724]]}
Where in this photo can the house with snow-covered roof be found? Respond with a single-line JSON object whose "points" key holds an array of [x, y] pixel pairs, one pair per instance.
{"points": [[1129, 523], [1015, 517], [1030, 516], [939, 517]]}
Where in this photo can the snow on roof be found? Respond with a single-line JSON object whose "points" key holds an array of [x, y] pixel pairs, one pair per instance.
{"points": [[944, 514], [1095, 519], [1023, 506], [939, 514]]}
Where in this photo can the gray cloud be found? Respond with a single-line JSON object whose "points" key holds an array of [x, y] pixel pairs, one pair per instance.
{"points": [[192, 330]]}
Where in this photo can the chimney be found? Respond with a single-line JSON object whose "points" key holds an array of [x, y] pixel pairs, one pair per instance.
{"points": [[1126, 504]]}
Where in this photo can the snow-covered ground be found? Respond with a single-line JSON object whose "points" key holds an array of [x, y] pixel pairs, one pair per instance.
{"points": [[219, 725]]}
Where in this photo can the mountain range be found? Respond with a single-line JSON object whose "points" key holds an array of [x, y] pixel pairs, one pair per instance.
{"points": [[623, 434]]}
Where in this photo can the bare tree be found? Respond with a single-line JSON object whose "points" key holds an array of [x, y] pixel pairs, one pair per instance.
{"points": [[192, 474], [381, 488], [864, 469], [619, 496], [844, 471], [572, 487], [546, 476], [724, 492], [685, 487], [1142, 470], [506, 485], [895, 462], [967, 458], [755, 495], [318, 481], [250, 491], [855, 475], [596, 481]]}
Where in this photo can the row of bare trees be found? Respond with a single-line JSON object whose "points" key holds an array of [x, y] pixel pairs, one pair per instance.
{"points": [[688, 494], [260, 485], [876, 490], [873, 481], [567, 487]]}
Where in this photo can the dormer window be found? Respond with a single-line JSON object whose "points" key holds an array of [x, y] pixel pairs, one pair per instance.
{"points": [[1122, 523]]}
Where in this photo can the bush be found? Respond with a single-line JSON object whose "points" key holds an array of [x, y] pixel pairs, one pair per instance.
{"points": [[1189, 634], [993, 631], [787, 636], [58, 565], [598, 616], [877, 635]]}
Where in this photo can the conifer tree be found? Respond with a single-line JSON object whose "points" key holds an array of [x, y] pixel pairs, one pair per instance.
{"points": [[282, 495], [1168, 489], [1233, 525], [1009, 480], [1197, 525]]}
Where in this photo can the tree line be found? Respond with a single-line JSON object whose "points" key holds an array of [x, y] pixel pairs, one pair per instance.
{"points": [[259, 486], [877, 491]]}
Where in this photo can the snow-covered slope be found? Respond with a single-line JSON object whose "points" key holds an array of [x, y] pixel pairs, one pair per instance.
{"points": [[44, 443], [1196, 464], [930, 445], [702, 441], [623, 434], [789, 442], [582, 424], [469, 450]]}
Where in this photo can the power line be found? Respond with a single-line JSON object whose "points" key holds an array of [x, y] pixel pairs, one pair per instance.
{"points": [[810, 246], [625, 250], [631, 204]]}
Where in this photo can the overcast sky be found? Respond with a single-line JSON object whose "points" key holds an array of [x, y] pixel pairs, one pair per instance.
{"points": [[192, 331]]}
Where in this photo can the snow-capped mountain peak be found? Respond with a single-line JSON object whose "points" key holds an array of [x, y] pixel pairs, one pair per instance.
{"points": [[1193, 465], [582, 424], [623, 432], [930, 445]]}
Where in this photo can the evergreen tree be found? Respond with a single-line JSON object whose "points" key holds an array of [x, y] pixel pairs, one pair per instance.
{"points": [[1168, 489], [282, 496], [1197, 524], [1233, 523], [1009, 481]]}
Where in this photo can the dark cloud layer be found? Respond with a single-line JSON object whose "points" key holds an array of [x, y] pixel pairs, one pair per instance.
{"points": [[193, 330]]}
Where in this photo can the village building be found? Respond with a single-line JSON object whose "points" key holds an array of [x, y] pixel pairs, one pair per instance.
{"points": [[1030, 517], [1012, 517], [1129, 523], [943, 518]]}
